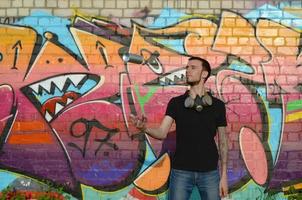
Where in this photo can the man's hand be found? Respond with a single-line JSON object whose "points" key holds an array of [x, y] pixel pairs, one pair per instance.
{"points": [[158, 132], [139, 123], [223, 186]]}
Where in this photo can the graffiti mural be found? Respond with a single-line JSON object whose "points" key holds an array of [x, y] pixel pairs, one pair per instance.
{"points": [[68, 89]]}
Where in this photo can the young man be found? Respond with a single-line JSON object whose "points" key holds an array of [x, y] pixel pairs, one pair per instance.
{"points": [[198, 117]]}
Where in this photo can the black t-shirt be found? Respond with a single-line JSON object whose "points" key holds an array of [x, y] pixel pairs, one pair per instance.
{"points": [[195, 131]]}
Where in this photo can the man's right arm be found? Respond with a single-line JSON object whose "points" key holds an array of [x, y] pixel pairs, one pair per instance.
{"points": [[160, 132]]}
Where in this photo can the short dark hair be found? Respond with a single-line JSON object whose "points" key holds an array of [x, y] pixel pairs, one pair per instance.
{"points": [[205, 65]]}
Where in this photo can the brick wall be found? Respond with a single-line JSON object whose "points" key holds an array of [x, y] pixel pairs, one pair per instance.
{"points": [[125, 8], [67, 92]]}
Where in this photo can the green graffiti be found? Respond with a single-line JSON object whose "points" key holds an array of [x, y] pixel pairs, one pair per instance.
{"points": [[294, 105], [142, 100]]}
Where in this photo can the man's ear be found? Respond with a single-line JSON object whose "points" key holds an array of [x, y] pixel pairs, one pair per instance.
{"points": [[204, 74]]}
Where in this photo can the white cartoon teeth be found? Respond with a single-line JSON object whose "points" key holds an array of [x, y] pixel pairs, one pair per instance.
{"points": [[59, 82], [58, 108], [47, 116], [69, 101], [76, 79], [52, 95], [35, 88], [173, 77]]}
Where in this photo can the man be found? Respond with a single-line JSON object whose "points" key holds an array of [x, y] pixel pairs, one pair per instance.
{"points": [[198, 117]]}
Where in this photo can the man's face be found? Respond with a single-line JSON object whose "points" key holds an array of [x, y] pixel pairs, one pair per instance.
{"points": [[195, 72]]}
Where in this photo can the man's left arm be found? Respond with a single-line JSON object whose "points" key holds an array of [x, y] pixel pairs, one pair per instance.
{"points": [[223, 151]]}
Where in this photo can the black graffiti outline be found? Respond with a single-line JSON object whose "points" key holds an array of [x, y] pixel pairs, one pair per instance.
{"points": [[153, 61], [16, 47], [89, 124]]}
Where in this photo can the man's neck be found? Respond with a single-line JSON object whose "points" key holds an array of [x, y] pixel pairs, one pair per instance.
{"points": [[197, 89]]}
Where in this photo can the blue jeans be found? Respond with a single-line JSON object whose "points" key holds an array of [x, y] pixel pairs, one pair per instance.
{"points": [[182, 183]]}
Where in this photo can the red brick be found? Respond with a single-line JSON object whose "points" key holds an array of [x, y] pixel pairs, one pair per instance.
{"points": [[293, 127], [293, 137]]}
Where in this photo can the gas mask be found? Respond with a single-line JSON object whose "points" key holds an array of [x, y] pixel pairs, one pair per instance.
{"points": [[199, 102]]}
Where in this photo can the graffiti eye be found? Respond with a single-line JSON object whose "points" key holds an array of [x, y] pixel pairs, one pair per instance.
{"points": [[153, 62], [155, 65]]}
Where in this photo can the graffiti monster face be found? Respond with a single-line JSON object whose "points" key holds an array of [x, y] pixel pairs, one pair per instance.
{"points": [[75, 119], [52, 95], [90, 129]]}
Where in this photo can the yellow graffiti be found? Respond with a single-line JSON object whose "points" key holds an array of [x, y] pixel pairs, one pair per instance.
{"points": [[16, 47], [296, 186], [283, 45], [56, 58], [293, 116], [97, 51]]}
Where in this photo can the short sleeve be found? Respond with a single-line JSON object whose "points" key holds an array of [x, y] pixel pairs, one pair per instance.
{"points": [[221, 120], [171, 109]]}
